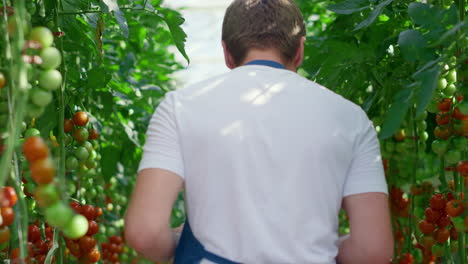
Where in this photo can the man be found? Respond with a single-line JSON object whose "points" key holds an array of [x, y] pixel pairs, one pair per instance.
{"points": [[267, 159]]}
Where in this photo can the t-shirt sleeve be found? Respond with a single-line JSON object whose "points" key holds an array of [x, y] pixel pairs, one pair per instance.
{"points": [[162, 149], [366, 172]]}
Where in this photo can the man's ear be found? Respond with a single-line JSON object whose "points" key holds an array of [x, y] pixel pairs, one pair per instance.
{"points": [[299, 58], [229, 60]]}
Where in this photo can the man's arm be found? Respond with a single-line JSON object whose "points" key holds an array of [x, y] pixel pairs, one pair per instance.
{"points": [[147, 222], [371, 238]]}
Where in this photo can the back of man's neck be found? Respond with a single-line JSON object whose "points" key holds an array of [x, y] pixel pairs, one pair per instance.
{"points": [[269, 54]]}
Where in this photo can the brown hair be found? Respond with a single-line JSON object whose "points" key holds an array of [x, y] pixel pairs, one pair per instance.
{"points": [[263, 24]]}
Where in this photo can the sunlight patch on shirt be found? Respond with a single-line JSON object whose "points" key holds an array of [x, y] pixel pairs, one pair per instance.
{"points": [[262, 96], [207, 88], [235, 128]]}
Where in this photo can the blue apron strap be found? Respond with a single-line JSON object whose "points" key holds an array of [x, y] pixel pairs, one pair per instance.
{"points": [[269, 63], [191, 251]]}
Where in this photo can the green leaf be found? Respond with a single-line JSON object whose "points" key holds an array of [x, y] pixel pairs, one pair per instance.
{"points": [[349, 7], [98, 78], [424, 14], [110, 157], [462, 26], [412, 45], [428, 80], [113, 7], [374, 14], [396, 113], [174, 21]]}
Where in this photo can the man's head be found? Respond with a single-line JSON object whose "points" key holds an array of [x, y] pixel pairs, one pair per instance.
{"points": [[263, 25]]}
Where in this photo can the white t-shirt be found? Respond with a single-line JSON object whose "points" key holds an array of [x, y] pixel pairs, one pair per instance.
{"points": [[267, 157]]}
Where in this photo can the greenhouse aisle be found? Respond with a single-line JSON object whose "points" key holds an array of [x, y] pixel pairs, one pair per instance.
{"points": [[203, 27]]}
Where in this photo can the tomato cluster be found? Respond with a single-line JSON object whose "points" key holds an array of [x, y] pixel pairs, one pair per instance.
{"points": [[84, 155], [84, 246], [38, 245], [399, 204], [112, 249], [8, 199], [44, 79], [438, 226]]}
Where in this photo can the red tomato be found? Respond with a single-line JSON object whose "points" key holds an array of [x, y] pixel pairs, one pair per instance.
{"points": [[437, 201], [426, 227], [98, 211], [93, 228], [93, 256], [457, 114], [43, 171], [34, 148], [443, 118], [462, 168], [443, 221], [444, 104], [443, 132], [88, 211], [34, 233], [41, 247], [8, 197], [8, 216], [454, 208], [441, 235], [432, 215], [80, 118], [4, 234], [453, 234], [68, 125], [116, 239], [87, 243], [93, 134], [15, 253], [49, 233], [76, 207]]}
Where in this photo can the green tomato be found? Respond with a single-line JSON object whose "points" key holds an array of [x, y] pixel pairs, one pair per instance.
{"points": [[71, 188], [439, 147], [450, 90], [68, 139], [88, 146], [51, 58], [71, 163], [91, 164], [453, 156], [42, 35], [50, 80], [111, 231], [59, 215], [30, 187], [92, 155], [441, 83], [34, 111], [41, 97], [32, 132], [81, 153], [452, 76], [76, 227], [422, 116], [46, 195], [421, 125], [424, 136]]}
